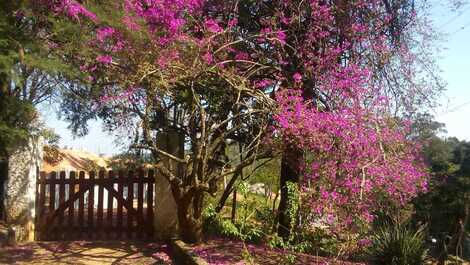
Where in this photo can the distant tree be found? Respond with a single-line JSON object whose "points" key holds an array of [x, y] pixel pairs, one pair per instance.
{"points": [[445, 208], [29, 75]]}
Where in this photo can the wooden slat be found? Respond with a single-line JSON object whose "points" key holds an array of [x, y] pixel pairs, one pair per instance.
{"points": [[91, 206], [149, 223], [119, 204], [140, 203], [52, 193], [100, 205], [125, 203], [41, 205], [50, 218], [60, 223], [109, 211], [130, 198], [71, 216], [81, 205]]}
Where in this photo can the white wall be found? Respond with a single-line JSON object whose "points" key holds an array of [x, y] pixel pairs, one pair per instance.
{"points": [[20, 188]]}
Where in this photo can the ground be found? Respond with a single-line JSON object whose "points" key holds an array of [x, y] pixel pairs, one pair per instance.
{"points": [[219, 251], [215, 251], [86, 253]]}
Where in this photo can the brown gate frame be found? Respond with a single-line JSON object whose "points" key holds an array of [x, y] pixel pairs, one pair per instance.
{"points": [[49, 223]]}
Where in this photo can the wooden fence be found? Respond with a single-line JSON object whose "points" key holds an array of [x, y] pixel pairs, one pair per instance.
{"points": [[90, 205]]}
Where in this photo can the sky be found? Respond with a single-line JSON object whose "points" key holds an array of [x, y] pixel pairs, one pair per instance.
{"points": [[97, 141], [454, 62], [454, 111]]}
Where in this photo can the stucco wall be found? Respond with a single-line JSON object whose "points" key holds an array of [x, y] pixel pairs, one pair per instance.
{"points": [[20, 188], [166, 219]]}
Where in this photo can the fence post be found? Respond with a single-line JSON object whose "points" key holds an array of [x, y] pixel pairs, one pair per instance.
{"points": [[165, 221]]}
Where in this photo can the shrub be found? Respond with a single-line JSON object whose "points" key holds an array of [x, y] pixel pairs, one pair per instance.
{"points": [[215, 224], [398, 245]]}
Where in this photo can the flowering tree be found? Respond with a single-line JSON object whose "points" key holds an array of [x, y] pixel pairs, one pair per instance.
{"points": [[357, 161], [347, 61], [152, 73], [209, 71]]}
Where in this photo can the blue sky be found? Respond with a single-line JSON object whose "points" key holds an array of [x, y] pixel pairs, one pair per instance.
{"points": [[455, 65], [97, 141], [454, 111]]}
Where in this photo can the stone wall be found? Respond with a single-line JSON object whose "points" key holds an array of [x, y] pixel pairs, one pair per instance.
{"points": [[166, 219], [20, 188]]}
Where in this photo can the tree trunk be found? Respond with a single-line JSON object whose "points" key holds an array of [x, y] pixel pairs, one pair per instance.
{"points": [[455, 244], [234, 206], [291, 160], [227, 191], [190, 219]]}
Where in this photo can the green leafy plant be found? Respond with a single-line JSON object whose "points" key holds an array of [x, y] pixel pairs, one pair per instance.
{"points": [[214, 224], [398, 244]]}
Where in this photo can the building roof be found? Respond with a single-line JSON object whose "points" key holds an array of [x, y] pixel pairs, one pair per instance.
{"points": [[76, 160]]}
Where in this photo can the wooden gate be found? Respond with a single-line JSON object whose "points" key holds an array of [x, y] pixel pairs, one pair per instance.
{"points": [[89, 206]]}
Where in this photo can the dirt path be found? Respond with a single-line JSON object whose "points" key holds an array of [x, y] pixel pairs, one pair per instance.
{"points": [[86, 253]]}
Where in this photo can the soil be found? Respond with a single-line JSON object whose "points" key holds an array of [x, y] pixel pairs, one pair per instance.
{"points": [[86, 253]]}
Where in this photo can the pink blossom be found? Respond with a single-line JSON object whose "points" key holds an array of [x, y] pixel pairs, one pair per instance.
{"points": [[74, 9], [281, 35], [212, 26], [104, 32], [232, 22], [242, 56], [297, 77], [105, 59], [208, 58]]}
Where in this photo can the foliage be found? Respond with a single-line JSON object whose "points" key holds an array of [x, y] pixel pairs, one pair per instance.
{"points": [[398, 244], [52, 154], [216, 225], [294, 204], [29, 73], [446, 207], [254, 220], [16, 120], [267, 174]]}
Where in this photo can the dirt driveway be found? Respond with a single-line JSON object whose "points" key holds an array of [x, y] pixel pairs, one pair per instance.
{"points": [[86, 253]]}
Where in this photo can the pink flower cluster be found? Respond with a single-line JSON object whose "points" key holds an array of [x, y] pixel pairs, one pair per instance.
{"points": [[70, 8], [162, 16], [356, 158]]}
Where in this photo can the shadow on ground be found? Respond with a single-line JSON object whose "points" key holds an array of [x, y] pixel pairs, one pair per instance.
{"points": [[223, 251], [86, 253]]}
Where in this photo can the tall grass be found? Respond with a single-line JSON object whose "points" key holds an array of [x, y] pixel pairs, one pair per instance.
{"points": [[398, 245]]}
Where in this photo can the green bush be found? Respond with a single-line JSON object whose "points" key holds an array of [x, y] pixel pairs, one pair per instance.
{"points": [[398, 245], [215, 224]]}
